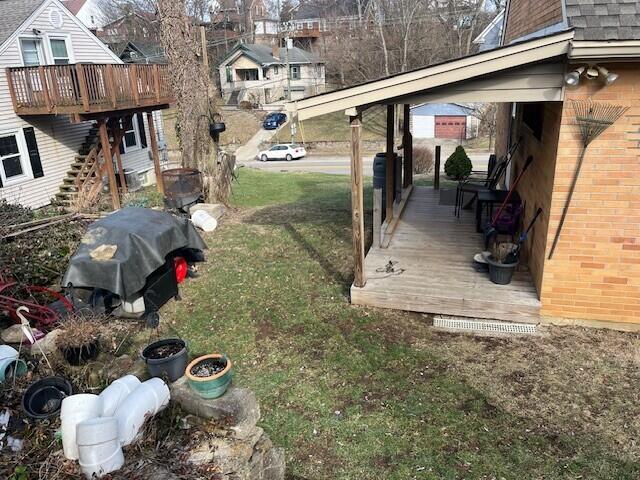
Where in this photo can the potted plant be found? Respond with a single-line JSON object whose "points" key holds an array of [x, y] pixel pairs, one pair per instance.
{"points": [[79, 341], [210, 375], [501, 268], [166, 357], [458, 166]]}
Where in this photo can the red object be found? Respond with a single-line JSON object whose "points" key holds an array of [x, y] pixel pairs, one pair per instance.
{"points": [[41, 315], [181, 267]]}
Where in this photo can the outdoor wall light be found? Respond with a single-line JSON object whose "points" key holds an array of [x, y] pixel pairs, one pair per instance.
{"points": [[591, 72], [573, 78], [607, 77]]}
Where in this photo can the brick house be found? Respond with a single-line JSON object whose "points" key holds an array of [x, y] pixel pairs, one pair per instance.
{"points": [[569, 50]]}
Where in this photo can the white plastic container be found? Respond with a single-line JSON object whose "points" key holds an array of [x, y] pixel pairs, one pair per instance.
{"points": [[145, 401], [203, 220], [98, 446], [76, 409], [114, 394]]}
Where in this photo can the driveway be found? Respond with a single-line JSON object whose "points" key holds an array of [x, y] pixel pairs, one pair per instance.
{"points": [[248, 151], [340, 164]]}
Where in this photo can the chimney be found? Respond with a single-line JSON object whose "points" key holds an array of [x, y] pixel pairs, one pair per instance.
{"points": [[275, 52]]}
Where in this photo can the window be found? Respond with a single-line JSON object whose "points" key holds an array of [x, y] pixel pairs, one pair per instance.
{"points": [[265, 72], [131, 140], [310, 25], [295, 72], [59, 51], [11, 161], [275, 69], [247, 74], [229, 71], [31, 52]]}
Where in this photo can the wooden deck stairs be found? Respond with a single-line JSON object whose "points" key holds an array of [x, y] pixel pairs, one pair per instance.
{"points": [[82, 185], [79, 169]]}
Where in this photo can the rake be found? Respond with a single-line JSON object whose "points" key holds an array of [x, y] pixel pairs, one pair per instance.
{"points": [[592, 119]]}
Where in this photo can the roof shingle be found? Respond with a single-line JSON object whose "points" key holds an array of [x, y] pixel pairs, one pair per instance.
{"points": [[13, 13], [604, 19]]}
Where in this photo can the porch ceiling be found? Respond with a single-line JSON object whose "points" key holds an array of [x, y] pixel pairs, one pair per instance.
{"points": [[506, 74]]}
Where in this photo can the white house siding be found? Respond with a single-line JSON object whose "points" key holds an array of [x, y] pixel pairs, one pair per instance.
{"points": [[58, 139], [422, 126]]}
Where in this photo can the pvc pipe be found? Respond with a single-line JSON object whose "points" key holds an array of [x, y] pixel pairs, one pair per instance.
{"points": [[114, 394], [9, 359], [98, 446], [76, 409], [145, 401]]}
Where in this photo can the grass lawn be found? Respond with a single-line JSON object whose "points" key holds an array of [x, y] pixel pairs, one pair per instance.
{"points": [[334, 127], [364, 393]]}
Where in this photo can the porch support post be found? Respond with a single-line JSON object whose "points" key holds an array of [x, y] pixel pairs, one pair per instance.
{"points": [[117, 139], [155, 153], [407, 147], [357, 200], [108, 161], [389, 168]]}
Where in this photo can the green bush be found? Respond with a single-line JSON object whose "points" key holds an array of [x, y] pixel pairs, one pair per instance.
{"points": [[458, 165]]}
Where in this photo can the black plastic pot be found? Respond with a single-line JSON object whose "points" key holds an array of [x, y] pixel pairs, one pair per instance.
{"points": [[80, 355], [172, 366], [501, 273], [44, 397]]}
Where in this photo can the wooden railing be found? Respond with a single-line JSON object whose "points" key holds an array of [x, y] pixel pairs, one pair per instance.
{"points": [[87, 88]]}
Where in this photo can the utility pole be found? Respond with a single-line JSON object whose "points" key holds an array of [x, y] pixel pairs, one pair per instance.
{"points": [[286, 56], [205, 53]]}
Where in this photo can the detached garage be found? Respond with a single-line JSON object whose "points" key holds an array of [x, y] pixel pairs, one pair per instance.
{"points": [[443, 120]]}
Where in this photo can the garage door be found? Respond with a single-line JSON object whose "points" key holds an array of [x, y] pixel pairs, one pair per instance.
{"points": [[451, 126]]}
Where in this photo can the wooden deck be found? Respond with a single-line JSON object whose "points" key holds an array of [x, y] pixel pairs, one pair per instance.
{"points": [[435, 249], [85, 89]]}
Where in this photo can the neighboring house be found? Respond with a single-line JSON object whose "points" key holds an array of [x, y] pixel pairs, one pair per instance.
{"points": [[443, 120], [491, 36], [88, 12], [258, 74], [552, 53], [138, 52], [60, 83]]}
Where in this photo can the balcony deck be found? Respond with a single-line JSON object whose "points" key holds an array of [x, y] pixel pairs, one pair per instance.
{"points": [[88, 89]]}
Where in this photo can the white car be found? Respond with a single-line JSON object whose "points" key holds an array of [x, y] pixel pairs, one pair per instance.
{"points": [[282, 151]]}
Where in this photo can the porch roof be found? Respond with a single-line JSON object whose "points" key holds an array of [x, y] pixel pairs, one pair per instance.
{"points": [[527, 71]]}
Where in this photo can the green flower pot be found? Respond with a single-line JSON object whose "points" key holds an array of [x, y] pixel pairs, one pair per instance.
{"points": [[212, 386]]}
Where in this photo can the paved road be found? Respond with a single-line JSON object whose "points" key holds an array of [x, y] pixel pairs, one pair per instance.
{"points": [[338, 164]]}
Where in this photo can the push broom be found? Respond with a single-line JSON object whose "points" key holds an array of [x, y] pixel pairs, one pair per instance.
{"points": [[592, 119]]}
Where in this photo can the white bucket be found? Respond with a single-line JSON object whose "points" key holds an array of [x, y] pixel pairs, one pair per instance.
{"points": [[98, 446], [145, 401], [203, 220], [76, 409], [114, 394]]}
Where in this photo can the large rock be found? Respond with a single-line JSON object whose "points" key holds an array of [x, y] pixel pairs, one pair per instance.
{"points": [[252, 458], [14, 334], [237, 408], [48, 344], [216, 210]]}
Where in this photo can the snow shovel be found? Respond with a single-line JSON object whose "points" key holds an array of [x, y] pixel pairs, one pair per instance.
{"points": [[514, 255], [490, 230]]}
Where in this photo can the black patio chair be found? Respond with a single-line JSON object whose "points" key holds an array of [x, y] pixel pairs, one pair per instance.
{"points": [[473, 184]]}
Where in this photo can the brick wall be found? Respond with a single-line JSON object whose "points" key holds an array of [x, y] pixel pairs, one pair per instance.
{"points": [[595, 272], [528, 16], [536, 186]]}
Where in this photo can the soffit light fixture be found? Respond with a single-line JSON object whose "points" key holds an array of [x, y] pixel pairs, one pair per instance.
{"points": [[591, 72]]}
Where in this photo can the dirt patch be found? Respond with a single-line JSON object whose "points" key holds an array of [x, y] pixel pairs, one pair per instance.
{"points": [[575, 381], [164, 351]]}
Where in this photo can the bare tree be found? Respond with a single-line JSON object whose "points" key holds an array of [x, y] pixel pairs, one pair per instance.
{"points": [[195, 99]]}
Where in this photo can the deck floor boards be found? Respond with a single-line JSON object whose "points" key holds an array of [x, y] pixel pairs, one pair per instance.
{"points": [[435, 251]]}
